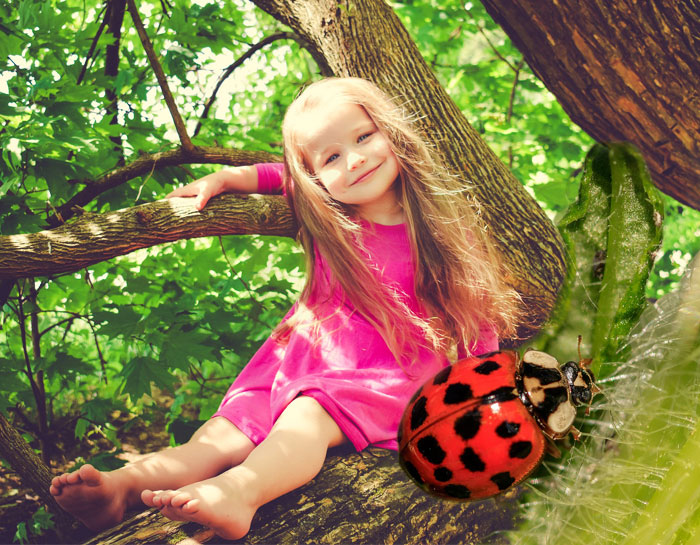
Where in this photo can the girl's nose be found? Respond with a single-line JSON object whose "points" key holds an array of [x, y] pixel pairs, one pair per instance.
{"points": [[355, 160]]}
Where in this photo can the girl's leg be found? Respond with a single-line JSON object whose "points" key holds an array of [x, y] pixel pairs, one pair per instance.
{"points": [[291, 455], [99, 499]]}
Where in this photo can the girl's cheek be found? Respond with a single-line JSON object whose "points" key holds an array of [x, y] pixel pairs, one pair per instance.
{"points": [[332, 181]]}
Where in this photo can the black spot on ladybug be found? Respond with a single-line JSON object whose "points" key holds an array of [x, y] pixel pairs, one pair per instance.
{"points": [[442, 376], [429, 447], [457, 491], [507, 429], [553, 397], [543, 374], [499, 395], [467, 425], [520, 449], [486, 368], [412, 471], [471, 460], [503, 480], [418, 413], [442, 474], [457, 393]]}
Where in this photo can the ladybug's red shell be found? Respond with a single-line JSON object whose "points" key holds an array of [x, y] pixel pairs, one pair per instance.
{"points": [[466, 434]]}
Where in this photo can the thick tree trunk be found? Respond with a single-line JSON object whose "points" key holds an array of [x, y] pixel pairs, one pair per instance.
{"points": [[359, 498], [365, 38], [627, 70]]}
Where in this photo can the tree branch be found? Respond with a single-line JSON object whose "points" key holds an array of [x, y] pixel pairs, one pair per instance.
{"points": [[356, 498], [147, 163], [93, 238], [238, 62], [160, 76]]}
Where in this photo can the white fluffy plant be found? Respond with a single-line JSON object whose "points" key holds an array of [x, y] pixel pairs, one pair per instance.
{"points": [[635, 478]]}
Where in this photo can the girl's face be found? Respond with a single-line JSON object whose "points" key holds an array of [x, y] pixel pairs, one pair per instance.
{"points": [[353, 160]]}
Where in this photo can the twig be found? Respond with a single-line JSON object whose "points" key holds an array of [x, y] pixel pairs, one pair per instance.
{"points": [[238, 62], [160, 76], [103, 362], [511, 101], [494, 48], [93, 45]]}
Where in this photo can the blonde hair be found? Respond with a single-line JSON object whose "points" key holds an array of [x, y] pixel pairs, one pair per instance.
{"points": [[459, 278]]}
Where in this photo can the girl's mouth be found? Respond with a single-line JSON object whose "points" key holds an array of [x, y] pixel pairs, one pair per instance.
{"points": [[365, 176]]}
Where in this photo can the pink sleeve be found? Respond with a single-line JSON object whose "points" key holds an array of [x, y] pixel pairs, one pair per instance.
{"points": [[269, 178]]}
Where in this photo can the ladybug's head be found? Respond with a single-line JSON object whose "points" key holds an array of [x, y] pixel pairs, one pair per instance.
{"points": [[581, 382]]}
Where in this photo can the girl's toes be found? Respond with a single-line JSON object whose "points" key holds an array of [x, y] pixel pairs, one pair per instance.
{"points": [[164, 497], [147, 497], [71, 478], [178, 500], [191, 507]]}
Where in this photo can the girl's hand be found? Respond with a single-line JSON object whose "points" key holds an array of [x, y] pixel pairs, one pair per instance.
{"points": [[235, 180], [202, 189]]}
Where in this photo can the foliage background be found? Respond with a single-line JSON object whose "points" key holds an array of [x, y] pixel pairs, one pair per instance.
{"points": [[160, 333]]}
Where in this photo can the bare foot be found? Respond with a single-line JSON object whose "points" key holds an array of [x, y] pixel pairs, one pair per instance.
{"points": [[220, 503], [93, 497]]}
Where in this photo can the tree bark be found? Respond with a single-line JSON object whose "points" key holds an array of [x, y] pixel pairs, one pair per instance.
{"points": [[362, 498], [627, 70], [34, 473], [365, 38], [146, 164], [93, 238]]}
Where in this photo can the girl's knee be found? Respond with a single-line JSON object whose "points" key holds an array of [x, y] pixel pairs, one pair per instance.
{"points": [[308, 412], [220, 431]]}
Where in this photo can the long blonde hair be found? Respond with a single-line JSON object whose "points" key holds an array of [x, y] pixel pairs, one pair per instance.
{"points": [[459, 278]]}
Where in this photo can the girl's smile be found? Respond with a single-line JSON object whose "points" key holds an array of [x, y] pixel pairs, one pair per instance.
{"points": [[353, 160]]}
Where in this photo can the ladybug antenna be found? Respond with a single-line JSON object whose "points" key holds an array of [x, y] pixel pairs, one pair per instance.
{"points": [[580, 338]]}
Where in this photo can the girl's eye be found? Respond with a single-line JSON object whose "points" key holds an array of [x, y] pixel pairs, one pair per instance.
{"points": [[331, 158], [364, 137]]}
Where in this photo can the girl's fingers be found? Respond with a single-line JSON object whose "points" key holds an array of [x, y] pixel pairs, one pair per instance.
{"points": [[201, 201], [184, 191]]}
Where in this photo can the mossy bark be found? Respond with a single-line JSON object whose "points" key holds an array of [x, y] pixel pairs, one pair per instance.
{"points": [[357, 498]]}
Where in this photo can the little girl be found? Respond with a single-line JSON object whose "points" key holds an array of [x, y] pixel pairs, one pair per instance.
{"points": [[399, 272]]}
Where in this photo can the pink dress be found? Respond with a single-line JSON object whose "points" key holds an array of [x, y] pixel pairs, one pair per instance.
{"points": [[346, 365]]}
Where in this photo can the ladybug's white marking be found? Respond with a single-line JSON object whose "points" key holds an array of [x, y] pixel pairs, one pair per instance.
{"points": [[541, 359]]}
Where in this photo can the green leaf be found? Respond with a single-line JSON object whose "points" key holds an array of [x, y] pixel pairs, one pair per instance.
{"points": [[21, 534], [634, 235], [611, 232], [66, 365], [140, 372], [181, 346], [115, 324], [41, 521]]}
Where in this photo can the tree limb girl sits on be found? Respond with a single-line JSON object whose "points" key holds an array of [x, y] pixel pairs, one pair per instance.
{"points": [[399, 272]]}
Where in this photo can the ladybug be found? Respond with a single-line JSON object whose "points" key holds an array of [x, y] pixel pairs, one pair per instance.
{"points": [[483, 424]]}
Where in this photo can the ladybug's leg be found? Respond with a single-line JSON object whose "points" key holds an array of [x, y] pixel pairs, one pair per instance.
{"points": [[575, 433], [551, 448]]}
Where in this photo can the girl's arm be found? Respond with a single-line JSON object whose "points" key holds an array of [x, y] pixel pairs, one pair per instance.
{"points": [[234, 180]]}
